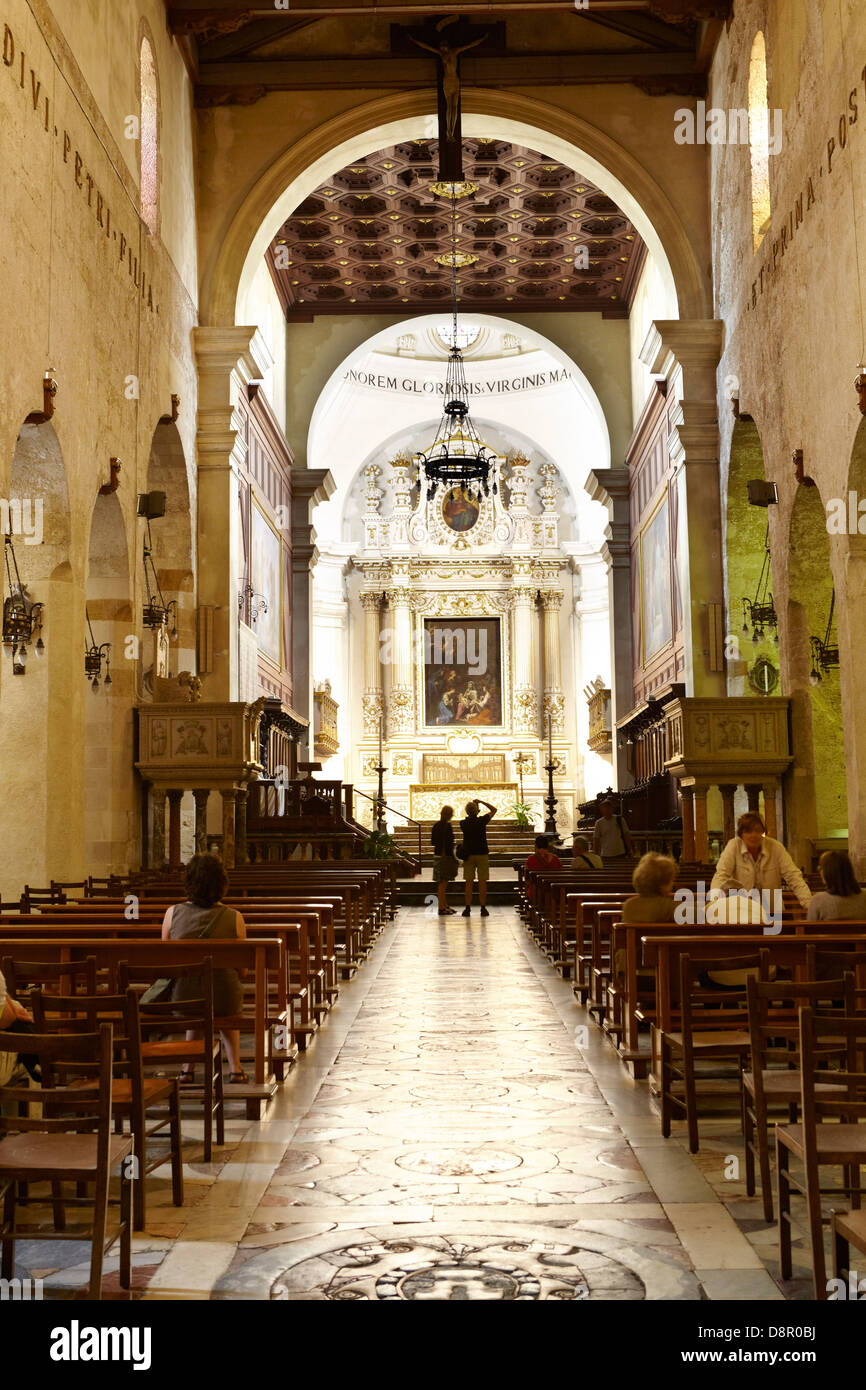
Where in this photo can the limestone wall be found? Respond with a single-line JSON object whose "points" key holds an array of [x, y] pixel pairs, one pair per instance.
{"points": [[88, 293], [794, 336]]}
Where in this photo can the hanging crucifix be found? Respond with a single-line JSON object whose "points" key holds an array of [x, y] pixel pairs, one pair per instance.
{"points": [[448, 92]]}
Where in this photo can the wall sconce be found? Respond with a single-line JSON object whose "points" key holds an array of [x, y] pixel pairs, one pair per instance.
{"points": [[258, 603], [94, 655], [760, 611], [824, 657], [156, 611], [22, 620]]}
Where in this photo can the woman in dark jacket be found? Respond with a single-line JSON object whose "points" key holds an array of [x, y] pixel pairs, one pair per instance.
{"points": [[444, 864]]}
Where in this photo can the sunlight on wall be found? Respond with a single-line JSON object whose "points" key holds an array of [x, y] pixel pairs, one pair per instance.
{"points": [[759, 139]]}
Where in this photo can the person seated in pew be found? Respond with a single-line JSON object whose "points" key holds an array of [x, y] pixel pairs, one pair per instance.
{"points": [[653, 881], [542, 857], [205, 915], [844, 898], [582, 856], [14, 1018], [753, 860]]}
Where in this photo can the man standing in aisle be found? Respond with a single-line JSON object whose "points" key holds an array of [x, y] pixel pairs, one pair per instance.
{"points": [[611, 838], [476, 853]]}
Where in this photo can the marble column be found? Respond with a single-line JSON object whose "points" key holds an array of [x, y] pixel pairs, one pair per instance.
{"points": [[610, 486], [554, 700], [175, 797], [200, 797], [702, 845], [157, 841], [372, 702], [728, 821], [401, 716], [688, 824], [229, 795], [309, 487], [241, 856], [525, 697], [228, 359]]}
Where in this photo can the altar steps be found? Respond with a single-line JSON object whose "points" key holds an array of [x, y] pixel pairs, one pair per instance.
{"points": [[507, 840]]}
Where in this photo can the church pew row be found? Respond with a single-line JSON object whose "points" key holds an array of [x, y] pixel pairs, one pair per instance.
{"points": [[262, 957]]}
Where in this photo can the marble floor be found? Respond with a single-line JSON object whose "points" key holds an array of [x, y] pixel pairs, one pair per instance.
{"points": [[457, 1131]]}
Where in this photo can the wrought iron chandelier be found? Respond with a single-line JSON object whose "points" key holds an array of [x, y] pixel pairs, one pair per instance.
{"points": [[760, 611], [457, 457], [824, 657], [22, 619], [94, 655], [156, 611]]}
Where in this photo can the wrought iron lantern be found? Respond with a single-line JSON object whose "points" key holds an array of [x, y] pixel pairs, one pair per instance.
{"points": [[257, 602], [94, 655], [156, 612], [760, 611], [824, 656], [22, 619]]}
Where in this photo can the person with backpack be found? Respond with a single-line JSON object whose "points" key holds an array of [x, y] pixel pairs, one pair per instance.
{"points": [[582, 856], [611, 838]]}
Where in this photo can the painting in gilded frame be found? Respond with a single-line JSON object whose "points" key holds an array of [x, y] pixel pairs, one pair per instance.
{"points": [[462, 672], [266, 578], [655, 583]]}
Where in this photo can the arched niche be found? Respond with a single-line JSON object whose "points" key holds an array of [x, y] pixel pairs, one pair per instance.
{"points": [[818, 733], [109, 793], [42, 710], [172, 537], [228, 278]]}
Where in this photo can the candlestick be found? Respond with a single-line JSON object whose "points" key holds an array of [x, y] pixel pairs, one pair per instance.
{"points": [[549, 737], [380, 738]]}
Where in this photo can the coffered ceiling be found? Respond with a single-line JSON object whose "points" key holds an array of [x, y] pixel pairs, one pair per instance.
{"points": [[366, 240]]}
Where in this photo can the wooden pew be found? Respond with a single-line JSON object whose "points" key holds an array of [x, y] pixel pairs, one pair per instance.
{"points": [[263, 957]]}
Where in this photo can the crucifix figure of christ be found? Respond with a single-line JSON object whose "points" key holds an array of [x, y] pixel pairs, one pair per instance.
{"points": [[450, 75]]}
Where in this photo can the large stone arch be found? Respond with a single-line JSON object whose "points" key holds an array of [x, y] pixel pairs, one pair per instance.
{"points": [[851, 609], [289, 178]]}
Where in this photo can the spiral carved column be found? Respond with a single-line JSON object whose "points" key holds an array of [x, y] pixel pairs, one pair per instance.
{"points": [[372, 698], [525, 698]]}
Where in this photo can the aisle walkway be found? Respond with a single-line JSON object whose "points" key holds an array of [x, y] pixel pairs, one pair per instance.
{"points": [[449, 1135]]}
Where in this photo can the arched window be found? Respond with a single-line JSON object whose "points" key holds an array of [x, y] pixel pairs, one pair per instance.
{"points": [[149, 135], [759, 139]]}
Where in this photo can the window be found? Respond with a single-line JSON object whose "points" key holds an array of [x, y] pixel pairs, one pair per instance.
{"points": [[149, 135], [759, 140], [466, 334]]}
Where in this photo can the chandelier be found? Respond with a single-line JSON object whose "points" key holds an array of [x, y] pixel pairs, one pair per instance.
{"points": [[22, 619], [457, 457], [94, 655], [156, 611], [760, 611], [824, 657]]}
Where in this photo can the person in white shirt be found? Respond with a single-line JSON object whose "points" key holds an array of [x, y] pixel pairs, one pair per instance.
{"points": [[583, 856], [753, 860], [611, 837]]}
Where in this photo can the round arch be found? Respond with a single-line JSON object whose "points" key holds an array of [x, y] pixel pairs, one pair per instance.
{"points": [[362, 130]]}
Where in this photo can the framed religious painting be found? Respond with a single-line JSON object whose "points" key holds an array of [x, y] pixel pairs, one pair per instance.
{"points": [[266, 568], [462, 677], [655, 583], [460, 509]]}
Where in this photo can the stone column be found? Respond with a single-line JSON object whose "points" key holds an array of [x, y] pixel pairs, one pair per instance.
{"points": [[401, 715], [525, 696], [200, 797], [770, 808], [702, 845], [610, 486], [228, 795], [372, 701], [241, 856], [728, 794], [175, 797], [688, 824], [687, 351], [157, 843], [554, 700], [228, 359], [309, 487]]}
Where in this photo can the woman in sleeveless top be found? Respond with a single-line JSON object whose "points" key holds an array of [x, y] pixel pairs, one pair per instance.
{"points": [[204, 915]]}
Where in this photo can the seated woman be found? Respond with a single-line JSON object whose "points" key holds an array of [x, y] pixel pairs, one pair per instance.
{"points": [[204, 915], [542, 857], [12, 1016], [844, 898], [653, 881]]}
